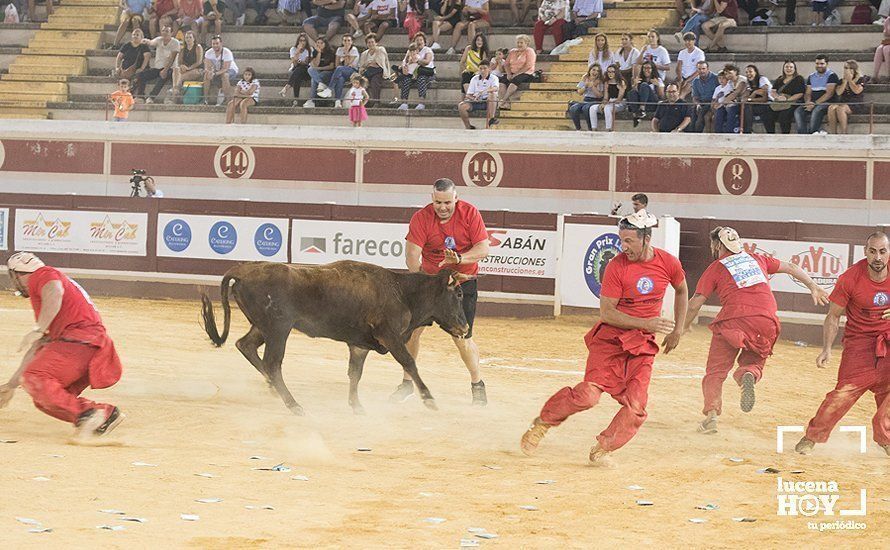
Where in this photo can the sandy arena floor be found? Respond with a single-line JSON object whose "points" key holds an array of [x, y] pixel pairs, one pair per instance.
{"points": [[194, 409]]}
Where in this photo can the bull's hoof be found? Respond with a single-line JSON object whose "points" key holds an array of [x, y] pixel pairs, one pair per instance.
{"points": [[358, 410], [296, 409], [431, 404]]}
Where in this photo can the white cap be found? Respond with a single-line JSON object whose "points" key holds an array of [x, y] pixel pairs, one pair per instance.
{"points": [[641, 219], [730, 239], [24, 262]]}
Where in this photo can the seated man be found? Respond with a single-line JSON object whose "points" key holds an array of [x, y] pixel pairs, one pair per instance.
{"points": [[672, 114], [703, 88], [132, 13], [329, 16], [166, 50], [382, 14], [585, 16], [482, 93], [219, 67]]}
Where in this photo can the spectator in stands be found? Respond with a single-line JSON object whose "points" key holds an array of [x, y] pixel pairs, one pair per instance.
{"points": [[825, 13], [750, 7], [188, 65], [687, 64], [321, 68], [477, 18], [300, 55], [726, 119], [591, 88], [450, 18], [703, 87], [601, 54], [213, 10], [726, 15], [160, 15], [346, 65], [32, 10], [287, 12], [551, 18], [613, 100], [883, 15], [122, 101], [383, 14], [481, 95], [132, 15], [361, 13], [474, 55], [819, 94], [329, 16], [416, 12], [882, 52], [627, 57], [639, 201], [718, 102], [646, 92], [672, 114], [499, 63], [374, 66], [520, 68], [519, 14], [219, 66], [166, 50], [787, 90], [656, 53], [849, 93], [585, 16], [189, 15], [755, 97], [421, 77], [133, 57], [247, 94], [701, 11]]}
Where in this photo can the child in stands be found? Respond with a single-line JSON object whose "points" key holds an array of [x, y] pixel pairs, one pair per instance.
{"points": [[122, 100]]}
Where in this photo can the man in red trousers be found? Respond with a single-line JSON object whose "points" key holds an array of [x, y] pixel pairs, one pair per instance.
{"points": [[622, 345], [68, 350], [863, 293], [747, 326]]}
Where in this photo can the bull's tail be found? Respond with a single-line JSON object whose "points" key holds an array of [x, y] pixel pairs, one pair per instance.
{"points": [[209, 319]]}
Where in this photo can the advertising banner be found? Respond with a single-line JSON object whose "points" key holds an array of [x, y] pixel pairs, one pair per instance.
{"points": [[586, 251], [222, 237], [4, 222], [824, 262], [81, 232]]}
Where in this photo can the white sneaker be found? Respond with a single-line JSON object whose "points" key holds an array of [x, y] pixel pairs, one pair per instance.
{"points": [[450, 51], [679, 36], [836, 17], [309, 105], [326, 93], [403, 107], [240, 21], [420, 107], [338, 104], [880, 21], [358, 34], [436, 45], [149, 101], [820, 133]]}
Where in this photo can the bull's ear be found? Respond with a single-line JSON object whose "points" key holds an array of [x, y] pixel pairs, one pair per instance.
{"points": [[456, 278]]}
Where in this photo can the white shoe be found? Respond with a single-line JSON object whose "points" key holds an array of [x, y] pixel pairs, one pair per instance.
{"points": [[338, 104], [679, 36], [450, 51], [240, 21], [436, 45], [326, 93], [420, 107], [820, 133], [321, 87], [880, 21], [358, 34], [403, 107], [149, 101], [309, 105]]}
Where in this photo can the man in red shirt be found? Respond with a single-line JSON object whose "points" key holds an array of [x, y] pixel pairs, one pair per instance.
{"points": [[622, 345], [68, 350], [448, 234], [863, 293], [747, 321]]}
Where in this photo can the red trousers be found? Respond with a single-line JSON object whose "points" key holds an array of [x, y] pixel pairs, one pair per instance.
{"points": [[557, 29], [748, 339], [57, 375], [860, 371], [619, 362]]}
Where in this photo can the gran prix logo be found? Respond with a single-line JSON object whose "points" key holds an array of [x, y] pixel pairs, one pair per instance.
{"points": [[599, 254], [40, 228], [108, 231], [881, 299], [645, 285]]}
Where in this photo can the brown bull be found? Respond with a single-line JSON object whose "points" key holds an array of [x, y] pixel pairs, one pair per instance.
{"points": [[365, 306]]}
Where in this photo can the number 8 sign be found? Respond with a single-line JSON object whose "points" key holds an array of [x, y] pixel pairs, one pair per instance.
{"points": [[234, 162]]}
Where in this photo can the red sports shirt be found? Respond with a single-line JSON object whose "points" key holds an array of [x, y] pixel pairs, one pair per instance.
{"points": [[742, 284], [461, 232], [78, 318], [864, 300], [640, 286]]}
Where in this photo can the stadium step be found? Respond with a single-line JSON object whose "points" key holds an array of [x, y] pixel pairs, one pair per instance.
{"points": [[90, 11], [30, 78], [34, 88], [23, 112], [54, 50], [74, 20], [112, 3]]}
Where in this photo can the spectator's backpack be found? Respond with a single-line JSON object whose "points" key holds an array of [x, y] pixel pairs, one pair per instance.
{"points": [[861, 15], [763, 18]]}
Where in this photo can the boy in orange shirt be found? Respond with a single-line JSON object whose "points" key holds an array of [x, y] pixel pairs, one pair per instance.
{"points": [[122, 100]]}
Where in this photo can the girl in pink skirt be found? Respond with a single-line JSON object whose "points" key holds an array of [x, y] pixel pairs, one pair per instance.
{"points": [[357, 98]]}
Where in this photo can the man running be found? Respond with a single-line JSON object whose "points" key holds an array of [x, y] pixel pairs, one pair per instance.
{"points": [[622, 345], [747, 321], [68, 350], [448, 234], [863, 293]]}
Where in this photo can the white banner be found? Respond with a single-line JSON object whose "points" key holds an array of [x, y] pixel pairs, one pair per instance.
{"points": [[824, 262], [222, 237], [81, 232], [4, 222], [513, 252]]}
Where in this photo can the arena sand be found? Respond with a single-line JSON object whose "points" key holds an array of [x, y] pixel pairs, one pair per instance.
{"points": [[195, 409]]}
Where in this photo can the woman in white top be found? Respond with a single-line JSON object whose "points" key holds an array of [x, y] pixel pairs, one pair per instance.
{"points": [[755, 97], [613, 98], [627, 57], [656, 53], [247, 94], [301, 54], [475, 15], [601, 54], [421, 77]]}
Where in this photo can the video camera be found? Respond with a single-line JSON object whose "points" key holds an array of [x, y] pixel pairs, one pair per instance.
{"points": [[138, 181]]}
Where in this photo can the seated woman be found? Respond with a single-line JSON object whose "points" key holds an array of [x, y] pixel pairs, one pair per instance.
{"points": [[519, 67], [755, 97], [418, 69], [849, 93], [552, 19], [647, 91], [373, 64], [476, 19], [450, 18], [613, 99], [787, 90], [247, 94], [189, 64], [301, 53], [591, 89], [474, 55], [320, 70]]}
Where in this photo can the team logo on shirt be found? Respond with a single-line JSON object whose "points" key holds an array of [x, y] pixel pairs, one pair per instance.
{"points": [[449, 243], [645, 285], [599, 254], [881, 299]]}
